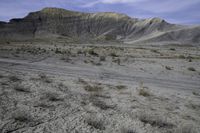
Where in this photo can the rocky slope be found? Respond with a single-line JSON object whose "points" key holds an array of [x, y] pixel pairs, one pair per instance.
{"points": [[83, 27]]}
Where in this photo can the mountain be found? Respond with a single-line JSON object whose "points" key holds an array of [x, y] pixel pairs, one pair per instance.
{"points": [[52, 23]]}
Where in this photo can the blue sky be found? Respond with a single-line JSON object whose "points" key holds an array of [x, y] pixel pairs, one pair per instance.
{"points": [[174, 11]]}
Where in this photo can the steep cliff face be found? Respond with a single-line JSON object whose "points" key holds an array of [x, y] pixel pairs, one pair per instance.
{"points": [[55, 22]]}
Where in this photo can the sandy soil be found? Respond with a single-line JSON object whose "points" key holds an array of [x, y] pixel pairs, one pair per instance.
{"points": [[87, 88]]}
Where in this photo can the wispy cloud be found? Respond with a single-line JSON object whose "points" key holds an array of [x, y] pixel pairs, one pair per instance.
{"points": [[93, 3]]}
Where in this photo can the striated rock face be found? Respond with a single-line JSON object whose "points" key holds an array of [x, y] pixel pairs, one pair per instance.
{"points": [[55, 22]]}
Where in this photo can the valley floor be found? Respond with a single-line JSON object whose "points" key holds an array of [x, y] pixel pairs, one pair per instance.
{"points": [[99, 88]]}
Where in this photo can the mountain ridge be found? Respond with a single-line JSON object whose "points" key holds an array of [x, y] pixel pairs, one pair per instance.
{"points": [[104, 26]]}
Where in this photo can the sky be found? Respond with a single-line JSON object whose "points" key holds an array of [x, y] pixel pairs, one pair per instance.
{"points": [[173, 11]]}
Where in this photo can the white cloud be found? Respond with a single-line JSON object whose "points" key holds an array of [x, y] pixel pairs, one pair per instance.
{"points": [[93, 3], [167, 6], [117, 1]]}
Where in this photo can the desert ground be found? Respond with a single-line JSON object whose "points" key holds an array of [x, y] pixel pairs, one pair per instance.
{"points": [[99, 88]]}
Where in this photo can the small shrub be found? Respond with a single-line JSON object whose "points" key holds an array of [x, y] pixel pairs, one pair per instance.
{"points": [[186, 129], [118, 61], [91, 52], [168, 67], [96, 123], [181, 57], [93, 88], [102, 58], [100, 104], [113, 54], [195, 93], [79, 52], [154, 50], [172, 49], [58, 51], [155, 121], [22, 116], [127, 130], [110, 37], [144, 92], [53, 96], [1, 76], [21, 88], [66, 59], [82, 81], [121, 87], [44, 78], [191, 69], [14, 78]]}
